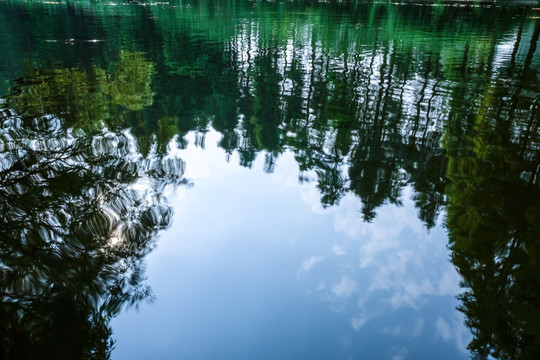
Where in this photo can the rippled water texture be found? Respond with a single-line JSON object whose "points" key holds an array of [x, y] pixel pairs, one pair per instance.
{"points": [[269, 180]]}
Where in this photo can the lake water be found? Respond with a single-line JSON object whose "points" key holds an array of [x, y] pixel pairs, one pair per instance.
{"points": [[269, 180]]}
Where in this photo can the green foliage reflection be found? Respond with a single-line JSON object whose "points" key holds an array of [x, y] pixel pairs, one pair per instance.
{"points": [[81, 207], [86, 98], [494, 212]]}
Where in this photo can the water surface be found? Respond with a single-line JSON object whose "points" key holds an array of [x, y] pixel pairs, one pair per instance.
{"points": [[230, 179]]}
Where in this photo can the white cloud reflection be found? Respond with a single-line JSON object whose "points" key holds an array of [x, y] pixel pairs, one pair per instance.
{"points": [[450, 329], [338, 250], [345, 288], [358, 321], [400, 355], [398, 267], [309, 263]]}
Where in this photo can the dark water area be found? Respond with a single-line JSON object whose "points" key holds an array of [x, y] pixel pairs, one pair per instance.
{"points": [[269, 180]]}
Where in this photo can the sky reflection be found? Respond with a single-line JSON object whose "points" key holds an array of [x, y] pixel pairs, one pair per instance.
{"points": [[254, 267]]}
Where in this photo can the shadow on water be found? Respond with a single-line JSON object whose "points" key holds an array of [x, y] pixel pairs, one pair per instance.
{"points": [[369, 98]]}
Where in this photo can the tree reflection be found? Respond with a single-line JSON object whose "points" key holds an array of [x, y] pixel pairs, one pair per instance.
{"points": [[457, 121], [374, 107], [80, 209], [494, 212], [366, 103], [493, 219]]}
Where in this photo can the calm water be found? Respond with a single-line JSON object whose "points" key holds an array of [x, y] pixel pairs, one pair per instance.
{"points": [[269, 180]]}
